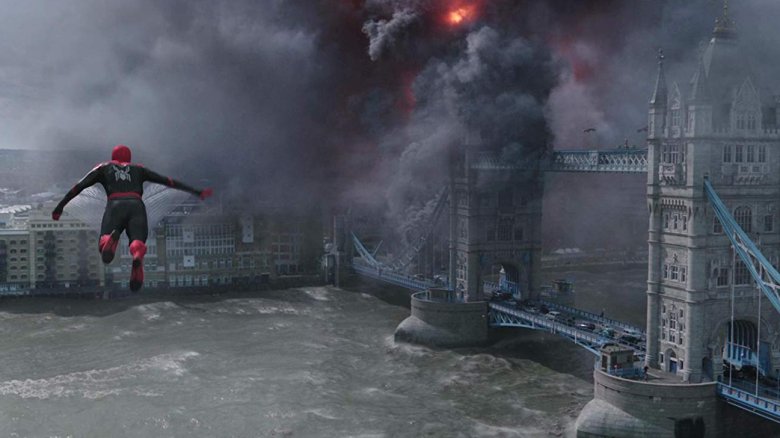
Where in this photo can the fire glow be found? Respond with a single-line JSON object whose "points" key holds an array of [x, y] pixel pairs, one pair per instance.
{"points": [[461, 15]]}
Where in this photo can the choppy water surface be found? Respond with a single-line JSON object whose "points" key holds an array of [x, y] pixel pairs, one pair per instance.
{"points": [[304, 362]]}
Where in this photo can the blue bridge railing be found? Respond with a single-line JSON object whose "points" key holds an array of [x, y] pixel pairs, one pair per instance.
{"points": [[503, 315], [592, 316], [748, 400], [386, 275]]}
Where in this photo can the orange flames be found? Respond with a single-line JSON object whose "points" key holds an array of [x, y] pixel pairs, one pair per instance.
{"points": [[457, 16], [461, 14]]}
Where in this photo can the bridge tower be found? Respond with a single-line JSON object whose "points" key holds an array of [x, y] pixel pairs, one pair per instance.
{"points": [[495, 223], [725, 128]]}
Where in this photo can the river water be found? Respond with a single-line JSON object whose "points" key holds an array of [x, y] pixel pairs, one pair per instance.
{"points": [[308, 362]]}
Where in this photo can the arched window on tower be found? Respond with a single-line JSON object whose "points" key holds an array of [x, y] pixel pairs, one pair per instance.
{"points": [[744, 218], [676, 118], [741, 120]]}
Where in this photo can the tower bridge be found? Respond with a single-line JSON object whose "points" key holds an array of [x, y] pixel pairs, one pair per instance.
{"points": [[713, 289]]}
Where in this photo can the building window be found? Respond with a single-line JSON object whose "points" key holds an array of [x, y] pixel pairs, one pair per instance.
{"points": [[685, 223], [740, 120], [741, 274], [717, 228], [727, 153], [675, 220], [762, 153], [744, 218], [670, 154], [666, 271], [505, 227], [666, 220], [769, 223], [491, 232], [675, 118], [675, 272], [739, 153], [723, 277], [751, 153], [683, 276], [751, 124]]}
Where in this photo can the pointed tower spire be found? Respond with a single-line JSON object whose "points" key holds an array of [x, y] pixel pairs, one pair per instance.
{"points": [[700, 90], [724, 25], [659, 94]]}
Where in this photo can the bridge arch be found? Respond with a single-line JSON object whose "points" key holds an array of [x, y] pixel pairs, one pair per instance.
{"points": [[671, 362], [506, 275], [746, 338]]}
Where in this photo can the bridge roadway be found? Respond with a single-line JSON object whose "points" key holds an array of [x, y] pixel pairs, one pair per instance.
{"points": [[389, 276], [503, 314], [598, 319], [744, 395]]}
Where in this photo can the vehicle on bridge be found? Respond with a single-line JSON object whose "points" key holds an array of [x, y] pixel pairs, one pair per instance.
{"points": [[607, 331], [501, 295]]}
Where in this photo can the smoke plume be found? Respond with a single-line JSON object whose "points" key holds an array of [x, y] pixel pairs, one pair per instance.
{"points": [[349, 101]]}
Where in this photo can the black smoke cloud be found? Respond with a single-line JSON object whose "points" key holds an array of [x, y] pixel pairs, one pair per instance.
{"points": [[493, 87], [249, 96], [336, 101], [384, 34], [527, 74]]}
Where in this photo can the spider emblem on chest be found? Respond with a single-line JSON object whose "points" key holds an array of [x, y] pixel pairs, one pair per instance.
{"points": [[122, 173]]}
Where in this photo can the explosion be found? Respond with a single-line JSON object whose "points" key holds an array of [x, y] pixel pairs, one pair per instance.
{"points": [[461, 14]]}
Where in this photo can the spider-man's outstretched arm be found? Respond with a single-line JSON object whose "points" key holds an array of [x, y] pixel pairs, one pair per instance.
{"points": [[90, 179], [155, 177]]}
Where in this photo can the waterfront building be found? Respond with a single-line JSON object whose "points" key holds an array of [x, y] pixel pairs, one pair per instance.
{"points": [[14, 260], [65, 252]]}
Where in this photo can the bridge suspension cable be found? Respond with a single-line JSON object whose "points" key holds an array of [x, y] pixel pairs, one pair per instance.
{"points": [[768, 280], [407, 255], [365, 254]]}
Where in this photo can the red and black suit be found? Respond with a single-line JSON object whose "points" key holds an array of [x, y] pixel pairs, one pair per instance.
{"points": [[125, 210]]}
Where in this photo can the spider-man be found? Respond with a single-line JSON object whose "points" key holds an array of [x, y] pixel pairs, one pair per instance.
{"points": [[125, 210]]}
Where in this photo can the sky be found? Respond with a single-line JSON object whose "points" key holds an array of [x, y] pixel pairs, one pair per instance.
{"points": [[345, 101]]}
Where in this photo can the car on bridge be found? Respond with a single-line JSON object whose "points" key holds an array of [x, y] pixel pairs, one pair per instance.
{"points": [[630, 339], [530, 308], [585, 325], [554, 315], [634, 333], [501, 295], [607, 331]]}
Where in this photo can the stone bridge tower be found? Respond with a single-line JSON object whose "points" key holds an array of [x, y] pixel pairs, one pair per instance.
{"points": [[724, 127], [495, 223]]}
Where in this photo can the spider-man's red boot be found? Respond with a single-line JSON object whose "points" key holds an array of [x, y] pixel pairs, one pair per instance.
{"points": [[138, 251], [108, 244]]}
